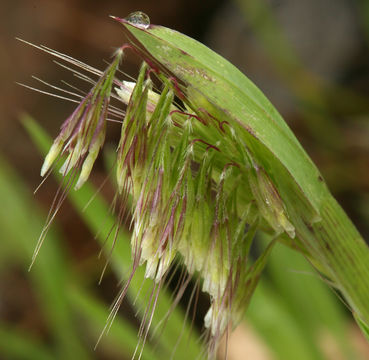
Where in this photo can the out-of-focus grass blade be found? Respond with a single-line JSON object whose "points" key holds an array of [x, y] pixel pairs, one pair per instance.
{"points": [[98, 219], [21, 223], [308, 299], [15, 345], [270, 316], [363, 10]]}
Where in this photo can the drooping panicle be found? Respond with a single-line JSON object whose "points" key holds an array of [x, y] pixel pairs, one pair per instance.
{"points": [[195, 191], [182, 166]]}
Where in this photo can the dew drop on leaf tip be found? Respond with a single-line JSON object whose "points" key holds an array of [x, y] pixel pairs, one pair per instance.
{"points": [[139, 19]]}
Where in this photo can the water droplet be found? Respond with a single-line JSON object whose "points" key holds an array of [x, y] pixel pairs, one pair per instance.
{"points": [[139, 19]]}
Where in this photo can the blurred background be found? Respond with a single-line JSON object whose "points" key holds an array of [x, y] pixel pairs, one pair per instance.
{"points": [[310, 58]]}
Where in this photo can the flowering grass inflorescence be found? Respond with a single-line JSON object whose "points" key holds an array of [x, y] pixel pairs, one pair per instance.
{"points": [[191, 184], [199, 182]]}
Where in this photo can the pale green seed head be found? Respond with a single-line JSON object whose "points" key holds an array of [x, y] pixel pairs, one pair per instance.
{"points": [[197, 193]]}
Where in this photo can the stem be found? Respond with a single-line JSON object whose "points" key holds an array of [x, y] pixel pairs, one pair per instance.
{"points": [[344, 253]]}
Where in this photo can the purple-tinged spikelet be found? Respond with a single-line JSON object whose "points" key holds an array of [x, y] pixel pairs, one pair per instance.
{"points": [[83, 133]]}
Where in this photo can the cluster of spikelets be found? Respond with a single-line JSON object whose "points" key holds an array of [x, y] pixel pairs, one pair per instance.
{"points": [[195, 191]]}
